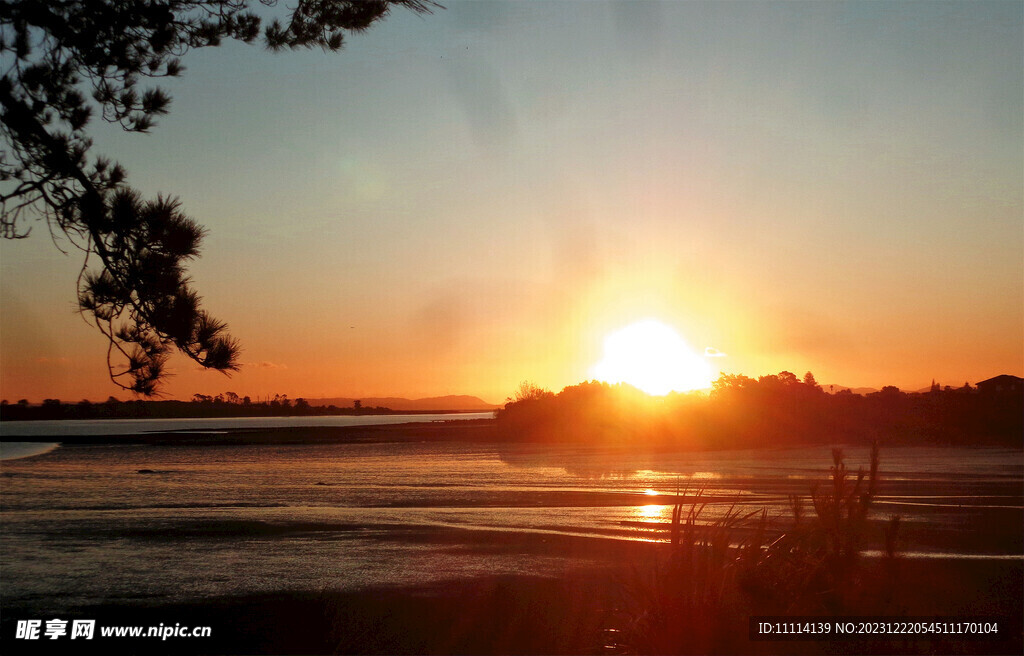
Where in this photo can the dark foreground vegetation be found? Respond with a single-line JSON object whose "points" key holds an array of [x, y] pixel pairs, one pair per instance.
{"points": [[574, 614], [770, 410], [717, 573]]}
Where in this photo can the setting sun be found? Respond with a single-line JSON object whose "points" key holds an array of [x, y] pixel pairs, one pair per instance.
{"points": [[652, 357]]}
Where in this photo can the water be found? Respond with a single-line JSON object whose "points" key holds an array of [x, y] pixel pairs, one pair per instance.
{"points": [[14, 450], [112, 523], [79, 427]]}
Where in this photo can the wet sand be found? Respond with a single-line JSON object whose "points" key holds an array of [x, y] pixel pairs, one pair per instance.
{"points": [[577, 612]]}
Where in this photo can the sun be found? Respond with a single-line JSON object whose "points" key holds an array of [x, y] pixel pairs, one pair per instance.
{"points": [[652, 357]]}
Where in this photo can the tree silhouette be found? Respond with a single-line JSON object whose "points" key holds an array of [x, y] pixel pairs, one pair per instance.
{"points": [[133, 281]]}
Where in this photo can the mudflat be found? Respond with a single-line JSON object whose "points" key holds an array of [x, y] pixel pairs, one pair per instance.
{"points": [[588, 608]]}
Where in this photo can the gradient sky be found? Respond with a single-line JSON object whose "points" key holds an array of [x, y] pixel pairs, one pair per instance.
{"points": [[464, 200]]}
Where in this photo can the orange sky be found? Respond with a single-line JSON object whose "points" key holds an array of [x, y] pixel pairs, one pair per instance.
{"points": [[459, 202]]}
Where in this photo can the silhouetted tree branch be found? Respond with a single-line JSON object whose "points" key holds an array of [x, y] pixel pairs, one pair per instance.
{"points": [[63, 62]]}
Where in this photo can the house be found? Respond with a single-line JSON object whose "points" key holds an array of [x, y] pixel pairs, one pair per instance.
{"points": [[1004, 384]]}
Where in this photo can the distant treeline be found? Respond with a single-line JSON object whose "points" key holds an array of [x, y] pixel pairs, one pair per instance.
{"points": [[201, 405], [770, 410]]}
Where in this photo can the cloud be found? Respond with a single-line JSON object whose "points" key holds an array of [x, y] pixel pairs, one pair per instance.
{"points": [[711, 352], [265, 365]]}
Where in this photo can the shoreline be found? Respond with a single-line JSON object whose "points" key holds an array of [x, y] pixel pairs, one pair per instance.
{"points": [[438, 430], [453, 430]]}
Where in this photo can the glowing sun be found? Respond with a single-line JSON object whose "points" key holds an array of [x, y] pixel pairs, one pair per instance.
{"points": [[652, 357]]}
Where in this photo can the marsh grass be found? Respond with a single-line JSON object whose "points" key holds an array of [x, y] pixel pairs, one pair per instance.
{"points": [[816, 566], [695, 596]]}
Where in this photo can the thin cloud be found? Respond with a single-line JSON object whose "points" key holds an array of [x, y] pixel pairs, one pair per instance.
{"points": [[711, 352], [265, 365]]}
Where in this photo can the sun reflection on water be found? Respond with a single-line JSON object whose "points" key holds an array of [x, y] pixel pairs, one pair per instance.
{"points": [[652, 512]]}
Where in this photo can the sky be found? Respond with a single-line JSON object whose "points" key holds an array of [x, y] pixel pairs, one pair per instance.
{"points": [[464, 200]]}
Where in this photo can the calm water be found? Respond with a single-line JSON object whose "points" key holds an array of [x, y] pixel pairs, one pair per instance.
{"points": [[115, 523], [61, 428]]}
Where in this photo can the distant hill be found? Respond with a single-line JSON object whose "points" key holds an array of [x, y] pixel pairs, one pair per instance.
{"points": [[864, 391], [450, 402], [856, 390]]}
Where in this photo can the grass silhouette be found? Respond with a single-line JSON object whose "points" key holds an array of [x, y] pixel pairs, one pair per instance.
{"points": [[696, 597]]}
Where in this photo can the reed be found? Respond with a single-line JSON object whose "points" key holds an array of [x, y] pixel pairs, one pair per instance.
{"points": [[696, 593]]}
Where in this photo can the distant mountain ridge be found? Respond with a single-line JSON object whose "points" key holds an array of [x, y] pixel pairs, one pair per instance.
{"points": [[450, 402], [924, 390], [839, 388]]}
